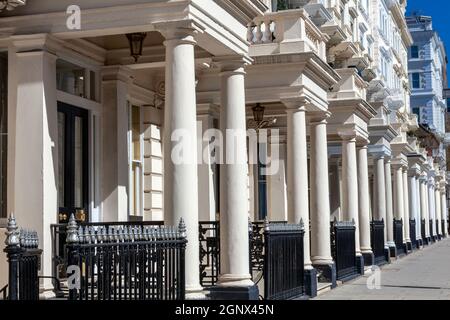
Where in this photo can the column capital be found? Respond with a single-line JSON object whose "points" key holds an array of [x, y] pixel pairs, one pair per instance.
{"points": [[34, 42], [319, 117], [296, 104], [114, 73], [347, 133], [232, 63], [179, 31]]}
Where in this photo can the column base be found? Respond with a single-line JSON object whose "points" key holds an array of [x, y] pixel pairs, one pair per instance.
{"points": [[369, 259], [426, 241], [419, 243], [234, 293], [327, 273], [360, 265], [311, 283]]}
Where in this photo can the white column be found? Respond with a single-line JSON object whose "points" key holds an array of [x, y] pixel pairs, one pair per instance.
{"points": [[406, 214], [33, 197], [350, 206], [380, 189], [320, 202], [444, 209], [418, 210], [431, 207], [437, 194], [233, 177], [412, 190], [389, 223], [364, 201], [398, 192], [115, 177], [424, 203], [180, 145], [297, 165]]}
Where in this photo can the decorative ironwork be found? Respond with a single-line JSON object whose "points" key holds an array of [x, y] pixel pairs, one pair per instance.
{"points": [[256, 246], [283, 261], [24, 263], [59, 239], [377, 241], [343, 248], [398, 236], [412, 233], [128, 262], [209, 238]]}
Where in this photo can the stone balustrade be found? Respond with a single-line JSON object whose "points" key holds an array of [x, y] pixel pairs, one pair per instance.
{"points": [[285, 32]]}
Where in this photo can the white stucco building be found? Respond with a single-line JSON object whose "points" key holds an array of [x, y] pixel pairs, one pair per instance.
{"points": [[90, 129]]}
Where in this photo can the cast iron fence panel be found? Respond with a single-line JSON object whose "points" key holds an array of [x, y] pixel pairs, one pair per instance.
{"points": [[432, 234], [283, 261], [127, 263], [343, 248], [423, 231], [437, 228], [412, 233], [443, 228], [59, 235], [209, 238], [24, 259], [398, 236], [377, 241]]}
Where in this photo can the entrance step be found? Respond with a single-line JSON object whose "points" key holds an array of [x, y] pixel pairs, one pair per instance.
{"points": [[323, 287]]}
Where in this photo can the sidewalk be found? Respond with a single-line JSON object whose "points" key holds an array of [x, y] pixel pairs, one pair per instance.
{"points": [[422, 275]]}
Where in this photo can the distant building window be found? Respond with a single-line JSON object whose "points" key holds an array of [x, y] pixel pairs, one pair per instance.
{"points": [[417, 112], [415, 52], [416, 80]]}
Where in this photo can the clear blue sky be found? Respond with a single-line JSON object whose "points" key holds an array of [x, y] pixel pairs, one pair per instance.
{"points": [[440, 11]]}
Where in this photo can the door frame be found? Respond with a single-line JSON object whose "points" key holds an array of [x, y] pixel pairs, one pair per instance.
{"points": [[69, 137]]}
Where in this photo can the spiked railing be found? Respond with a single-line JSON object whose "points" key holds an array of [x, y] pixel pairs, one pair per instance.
{"points": [[126, 262]]}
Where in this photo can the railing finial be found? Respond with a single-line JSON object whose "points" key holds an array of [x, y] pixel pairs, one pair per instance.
{"points": [[72, 231], [182, 228], [12, 235]]}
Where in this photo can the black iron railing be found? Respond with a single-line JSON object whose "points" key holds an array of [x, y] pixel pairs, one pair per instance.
{"points": [[443, 228], [423, 230], [283, 261], [412, 233], [256, 246], [59, 235], [398, 236], [209, 237], [343, 248], [431, 231], [377, 241], [24, 259], [438, 235], [131, 263]]}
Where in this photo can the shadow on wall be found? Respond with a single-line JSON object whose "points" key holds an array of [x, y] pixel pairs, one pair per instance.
{"points": [[3, 264]]}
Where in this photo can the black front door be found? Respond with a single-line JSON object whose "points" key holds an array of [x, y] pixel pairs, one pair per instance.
{"points": [[73, 163]]}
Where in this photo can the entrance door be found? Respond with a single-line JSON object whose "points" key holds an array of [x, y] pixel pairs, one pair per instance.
{"points": [[73, 163]]}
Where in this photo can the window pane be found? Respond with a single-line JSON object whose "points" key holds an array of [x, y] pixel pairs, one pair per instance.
{"points": [[3, 132], [61, 160], [78, 189], [70, 78]]}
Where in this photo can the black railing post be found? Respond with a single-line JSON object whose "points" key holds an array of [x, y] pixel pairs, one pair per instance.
{"points": [[13, 252], [182, 231], [73, 241]]}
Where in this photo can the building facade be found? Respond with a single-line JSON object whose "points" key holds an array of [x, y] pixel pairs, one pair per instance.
{"points": [[321, 86]]}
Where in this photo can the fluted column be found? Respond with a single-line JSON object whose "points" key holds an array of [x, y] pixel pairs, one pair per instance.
{"points": [[320, 202], [297, 166], [389, 223], [406, 213], [364, 203], [350, 185], [180, 133]]}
